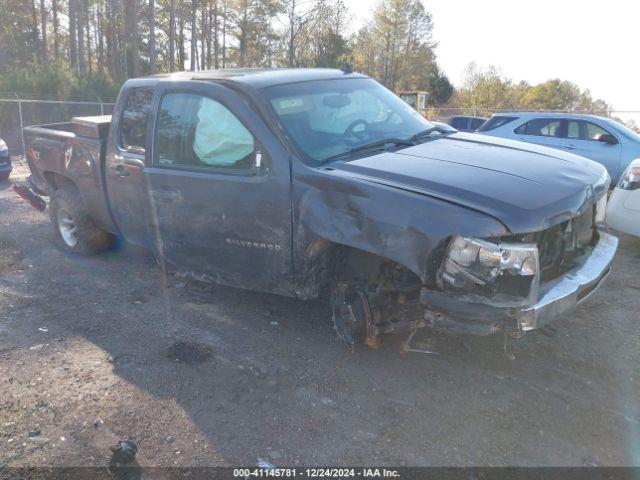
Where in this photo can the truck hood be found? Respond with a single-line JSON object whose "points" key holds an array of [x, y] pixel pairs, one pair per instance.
{"points": [[526, 187]]}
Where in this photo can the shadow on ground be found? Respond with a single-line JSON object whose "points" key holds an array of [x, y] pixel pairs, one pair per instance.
{"points": [[224, 376]]}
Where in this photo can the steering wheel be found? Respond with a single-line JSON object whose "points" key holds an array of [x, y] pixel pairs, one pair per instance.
{"points": [[349, 131]]}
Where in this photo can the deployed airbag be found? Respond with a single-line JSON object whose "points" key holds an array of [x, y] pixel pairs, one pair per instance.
{"points": [[220, 138]]}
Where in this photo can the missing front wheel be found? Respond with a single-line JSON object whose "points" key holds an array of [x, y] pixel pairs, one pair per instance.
{"points": [[352, 319]]}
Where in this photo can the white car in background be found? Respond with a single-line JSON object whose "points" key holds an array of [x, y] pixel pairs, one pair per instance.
{"points": [[623, 210]]}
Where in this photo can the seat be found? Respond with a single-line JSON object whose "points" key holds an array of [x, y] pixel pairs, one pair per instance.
{"points": [[298, 125]]}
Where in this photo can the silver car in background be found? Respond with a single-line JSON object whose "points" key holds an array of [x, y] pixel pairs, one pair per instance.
{"points": [[600, 139]]}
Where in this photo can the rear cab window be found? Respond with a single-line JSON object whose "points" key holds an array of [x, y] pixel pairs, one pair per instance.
{"points": [[133, 122]]}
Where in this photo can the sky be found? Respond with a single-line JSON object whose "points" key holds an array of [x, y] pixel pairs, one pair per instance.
{"points": [[592, 43]]}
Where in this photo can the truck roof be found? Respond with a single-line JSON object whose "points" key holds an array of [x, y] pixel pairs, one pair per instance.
{"points": [[260, 77]]}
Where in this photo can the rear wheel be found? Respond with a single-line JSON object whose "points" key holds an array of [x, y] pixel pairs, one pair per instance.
{"points": [[75, 229]]}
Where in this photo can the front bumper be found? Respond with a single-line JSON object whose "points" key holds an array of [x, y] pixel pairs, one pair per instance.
{"points": [[557, 297]]}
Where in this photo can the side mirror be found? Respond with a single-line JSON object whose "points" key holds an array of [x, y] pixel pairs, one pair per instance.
{"points": [[607, 138]]}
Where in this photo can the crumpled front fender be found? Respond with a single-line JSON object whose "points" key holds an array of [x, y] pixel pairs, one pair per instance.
{"points": [[405, 227]]}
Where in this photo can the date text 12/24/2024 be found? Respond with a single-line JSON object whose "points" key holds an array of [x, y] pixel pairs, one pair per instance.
{"points": [[316, 472]]}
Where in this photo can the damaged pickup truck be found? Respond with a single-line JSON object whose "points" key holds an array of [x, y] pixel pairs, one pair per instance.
{"points": [[319, 182]]}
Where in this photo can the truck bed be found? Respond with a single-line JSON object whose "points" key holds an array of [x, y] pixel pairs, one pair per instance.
{"points": [[72, 150], [94, 127]]}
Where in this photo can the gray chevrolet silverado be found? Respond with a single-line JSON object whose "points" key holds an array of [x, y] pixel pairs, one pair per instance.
{"points": [[319, 182]]}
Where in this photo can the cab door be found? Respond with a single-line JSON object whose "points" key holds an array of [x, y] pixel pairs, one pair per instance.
{"points": [[547, 131], [219, 189], [582, 139], [125, 162]]}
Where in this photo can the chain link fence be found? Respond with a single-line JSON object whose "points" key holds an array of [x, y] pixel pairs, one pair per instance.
{"points": [[19, 110]]}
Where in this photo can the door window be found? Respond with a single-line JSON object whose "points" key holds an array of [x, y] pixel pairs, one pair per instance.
{"points": [[133, 124], [495, 122], [459, 123], [594, 131], [582, 130], [576, 130], [475, 123], [196, 131], [541, 127]]}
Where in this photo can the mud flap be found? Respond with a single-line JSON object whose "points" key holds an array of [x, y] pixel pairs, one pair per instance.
{"points": [[36, 201]]}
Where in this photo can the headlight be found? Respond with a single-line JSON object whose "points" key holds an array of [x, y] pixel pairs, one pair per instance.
{"points": [[630, 179], [497, 272]]}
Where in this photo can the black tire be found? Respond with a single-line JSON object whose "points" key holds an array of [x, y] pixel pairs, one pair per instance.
{"points": [[74, 228], [4, 176]]}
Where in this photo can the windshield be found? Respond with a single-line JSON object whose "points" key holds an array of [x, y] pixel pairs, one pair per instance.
{"points": [[330, 117], [409, 99], [624, 130]]}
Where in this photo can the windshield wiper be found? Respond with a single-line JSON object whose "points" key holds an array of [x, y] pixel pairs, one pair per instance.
{"points": [[427, 132], [370, 146], [408, 142]]}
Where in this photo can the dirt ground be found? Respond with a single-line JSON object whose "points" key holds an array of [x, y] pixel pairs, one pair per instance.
{"points": [[96, 349]]}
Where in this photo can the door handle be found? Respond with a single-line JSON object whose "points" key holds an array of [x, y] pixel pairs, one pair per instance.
{"points": [[167, 196], [133, 162], [570, 147], [120, 171]]}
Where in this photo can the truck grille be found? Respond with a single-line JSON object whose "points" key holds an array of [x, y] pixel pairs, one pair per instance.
{"points": [[560, 246]]}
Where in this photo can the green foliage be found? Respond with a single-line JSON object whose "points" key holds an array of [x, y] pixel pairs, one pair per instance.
{"points": [[49, 83], [487, 90], [561, 95], [396, 48], [19, 41], [58, 82], [252, 28], [439, 87], [110, 41], [316, 36]]}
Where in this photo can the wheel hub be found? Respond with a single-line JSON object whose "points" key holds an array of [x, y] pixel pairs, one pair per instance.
{"points": [[352, 315], [67, 227]]}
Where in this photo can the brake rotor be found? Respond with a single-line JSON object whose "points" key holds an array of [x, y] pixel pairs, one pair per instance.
{"points": [[352, 316]]}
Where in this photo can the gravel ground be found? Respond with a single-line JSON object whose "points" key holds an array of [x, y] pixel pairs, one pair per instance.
{"points": [[93, 349]]}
